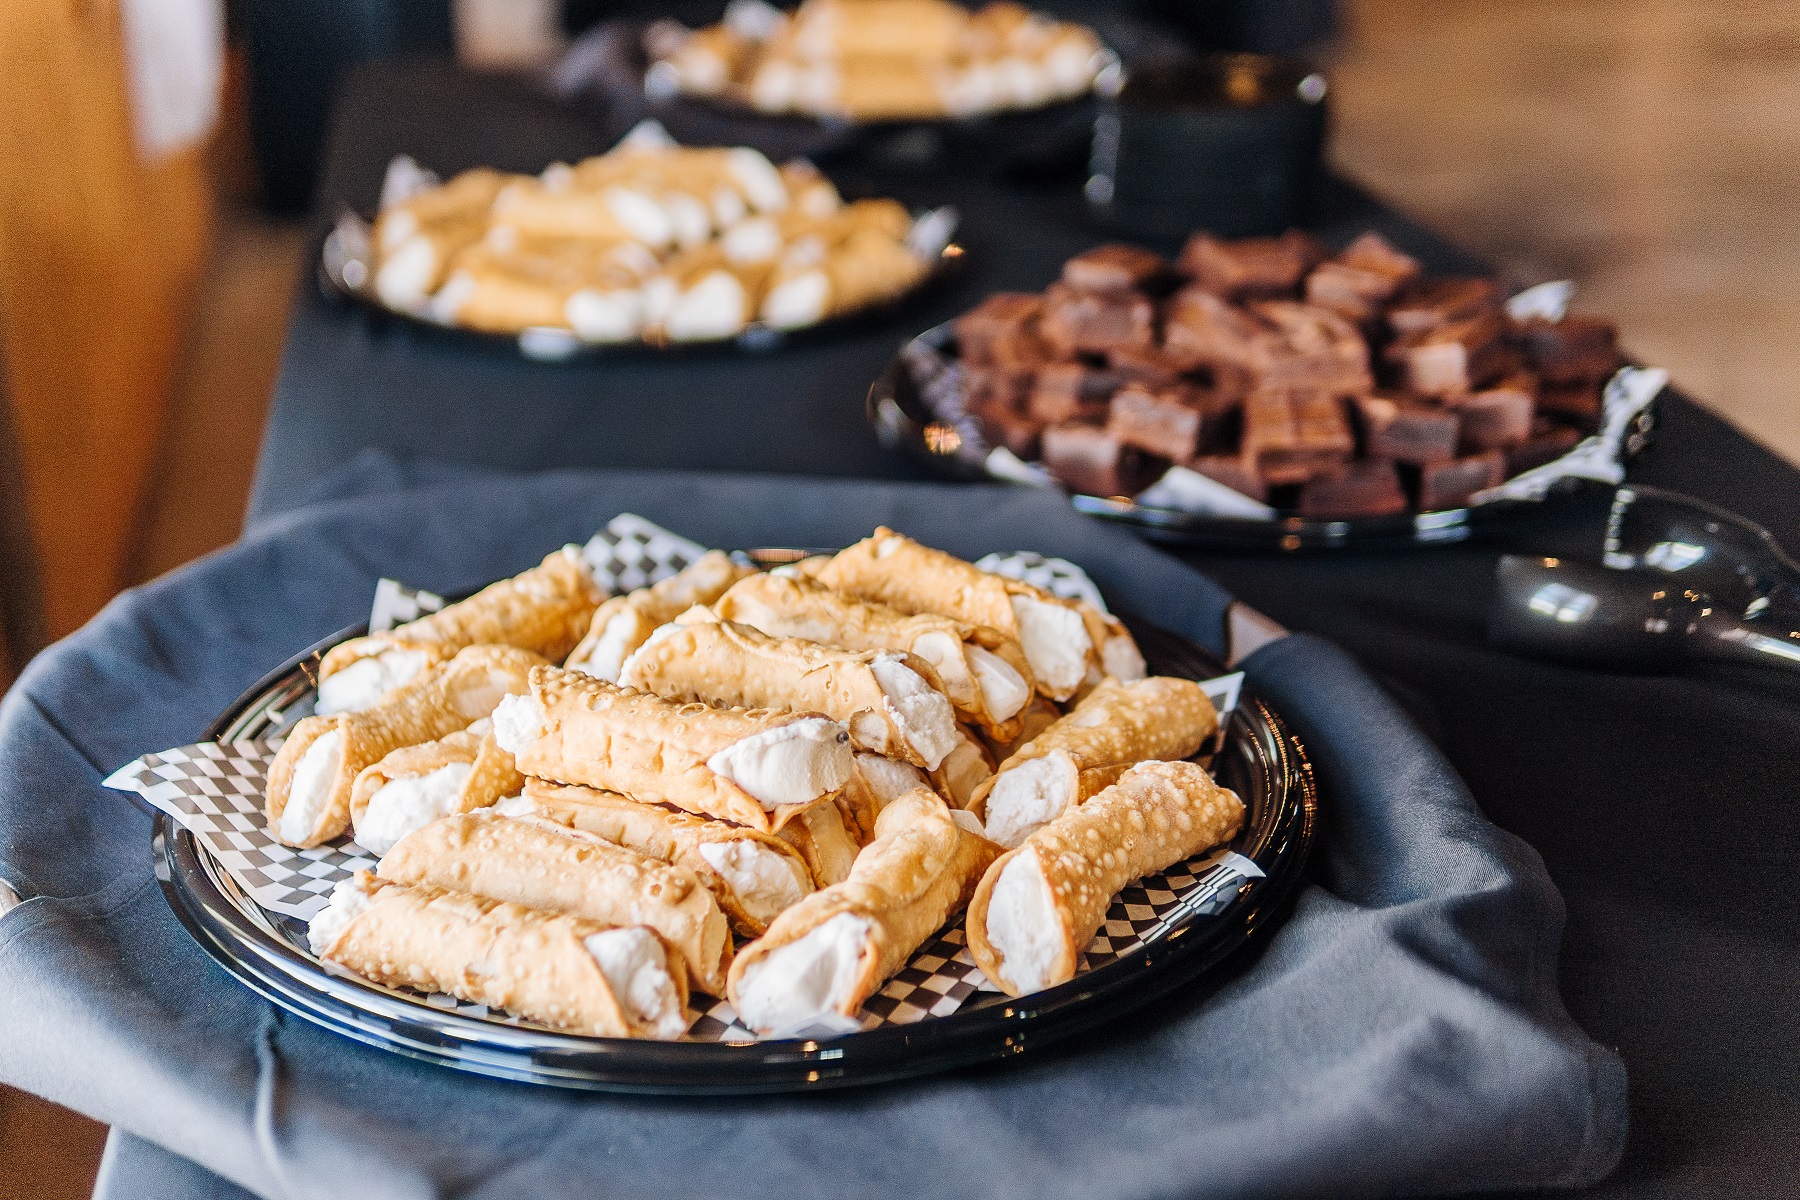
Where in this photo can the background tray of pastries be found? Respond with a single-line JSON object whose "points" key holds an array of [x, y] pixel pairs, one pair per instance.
{"points": [[650, 245], [1263, 391]]}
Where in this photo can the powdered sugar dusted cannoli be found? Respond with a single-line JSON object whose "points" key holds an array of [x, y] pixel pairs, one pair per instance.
{"points": [[895, 570], [753, 875], [546, 866], [752, 766], [829, 953], [313, 777], [982, 672], [565, 972], [889, 700], [623, 623], [415, 785], [1117, 723], [1040, 905], [544, 610]]}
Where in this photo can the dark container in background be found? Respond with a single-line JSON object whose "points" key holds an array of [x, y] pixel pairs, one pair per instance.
{"points": [[1229, 143]]}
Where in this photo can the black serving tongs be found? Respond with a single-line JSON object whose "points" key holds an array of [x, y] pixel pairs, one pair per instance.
{"points": [[1681, 580]]}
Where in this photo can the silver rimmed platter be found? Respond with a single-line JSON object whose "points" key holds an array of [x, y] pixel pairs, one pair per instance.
{"points": [[917, 410], [1203, 918]]}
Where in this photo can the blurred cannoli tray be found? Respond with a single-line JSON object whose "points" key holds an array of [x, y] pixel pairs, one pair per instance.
{"points": [[350, 936], [652, 247], [1275, 393]]}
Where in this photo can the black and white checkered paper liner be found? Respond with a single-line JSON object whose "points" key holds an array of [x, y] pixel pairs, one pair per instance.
{"points": [[215, 791]]}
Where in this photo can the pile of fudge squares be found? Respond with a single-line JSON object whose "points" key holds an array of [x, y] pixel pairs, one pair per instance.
{"points": [[1332, 385]]}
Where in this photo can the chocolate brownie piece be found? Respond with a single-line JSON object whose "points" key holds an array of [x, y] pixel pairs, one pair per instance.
{"points": [[1096, 322], [1576, 349], [1314, 348], [1578, 404], [1430, 303], [1450, 484], [1454, 358], [1362, 279], [1004, 426], [1005, 386], [1229, 470], [1290, 437], [1071, 392], [1362, 489], [1086, 458], [1148, 365], [1165, 423], [1001, 330], [1113, 268], [1250, 267], [1549, 441], [1405, 430], [1497, 417], [1201, 330]]}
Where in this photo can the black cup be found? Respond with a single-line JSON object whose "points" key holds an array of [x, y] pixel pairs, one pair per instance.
{"points": [[1229, 143]]}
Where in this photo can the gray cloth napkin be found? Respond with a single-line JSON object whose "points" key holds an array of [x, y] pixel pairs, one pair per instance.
{"points": [[1400, 1033]]}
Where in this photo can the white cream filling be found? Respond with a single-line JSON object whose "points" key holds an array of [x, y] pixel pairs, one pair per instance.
{"points": [[756, 240], [348, 902], [519, 722], [605, 316], [765, 883], [628, 675], [611, 648], [757, 178], [367, 680], [396, 226], [889, 778], [727, 206], [806, 979], [1055, 641], [450, 298], [403, 280], [1029, 796], [1021, 923], [923, 713], [1070, 67], [774, 87], [798, 302], [637, 970], [715, 307], [795, 763], [311, 787], [642, 217], [403, 805], [1120, 658], [517, 806], [1003, 690], [692, 221]]}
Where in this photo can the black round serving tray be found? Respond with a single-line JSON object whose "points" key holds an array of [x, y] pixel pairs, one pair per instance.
{"points": [[1260, 759], [905, 422], [555, 346]]}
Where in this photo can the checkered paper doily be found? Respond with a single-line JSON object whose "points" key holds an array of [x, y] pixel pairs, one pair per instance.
{"points": [[215, 791]]}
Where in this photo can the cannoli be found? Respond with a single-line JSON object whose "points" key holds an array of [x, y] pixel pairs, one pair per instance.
{"points": [[623, 623], [314, 773], [417, 265], [566, 972], [704, 295], [822, 834], [1040, 905], [884, 780], [830, 952], [752, 766], [866, 268], [415, 785], [890, 700], [983, 673], [552, 868], [1116, 723], [896, 570], [610, 214], [963, 771], [543, 610], [753, 875]]}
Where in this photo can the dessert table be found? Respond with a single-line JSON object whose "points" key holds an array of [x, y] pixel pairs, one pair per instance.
{"points": [[1661, 806]]}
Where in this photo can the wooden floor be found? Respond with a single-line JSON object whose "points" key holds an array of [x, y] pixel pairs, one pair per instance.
{"points": [[1647, 149]]}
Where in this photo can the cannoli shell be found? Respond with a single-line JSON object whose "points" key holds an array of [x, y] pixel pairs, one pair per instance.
{"points": [[437, 702], [1156, 718], [673, 837], [506, 956], [617, 739], [718, 662], [824, 839], [544, 610], [552, 868], [794, 606], [870, 267], [492, 777], [701, 582], [963, 771], [920, 870], [1156, 815]]}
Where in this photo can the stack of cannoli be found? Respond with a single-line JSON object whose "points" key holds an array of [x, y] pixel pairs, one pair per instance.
{"points": [[879, 60], [771, 787], [650, 241]]}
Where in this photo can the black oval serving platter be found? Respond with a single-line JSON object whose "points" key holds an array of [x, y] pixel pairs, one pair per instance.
{"points": [[1260, 759]]}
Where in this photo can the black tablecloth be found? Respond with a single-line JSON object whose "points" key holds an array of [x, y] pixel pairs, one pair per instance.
{"points": [[1662, 806]]}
